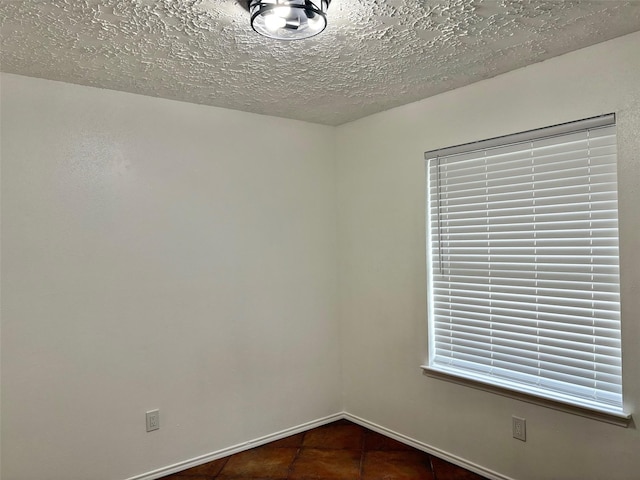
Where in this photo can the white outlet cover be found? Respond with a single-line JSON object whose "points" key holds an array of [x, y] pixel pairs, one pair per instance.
{"points": [[519, 428], [153, 420]]}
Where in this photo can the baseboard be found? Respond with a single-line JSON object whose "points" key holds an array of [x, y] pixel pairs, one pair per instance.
{"points": [[461, 462], [241, 447]]}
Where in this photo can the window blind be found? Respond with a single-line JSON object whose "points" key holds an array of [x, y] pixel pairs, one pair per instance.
{"points": [[523, 264]]}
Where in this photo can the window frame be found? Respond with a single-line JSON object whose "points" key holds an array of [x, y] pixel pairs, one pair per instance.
{"points": [[618, 418]]}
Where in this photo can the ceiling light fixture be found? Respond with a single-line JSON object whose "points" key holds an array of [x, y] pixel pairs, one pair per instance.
{"points": [[288, 19]]}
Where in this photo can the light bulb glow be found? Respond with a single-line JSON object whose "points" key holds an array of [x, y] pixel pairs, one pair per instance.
{"points": [[274, 22], [282, 12], [316, 24]]}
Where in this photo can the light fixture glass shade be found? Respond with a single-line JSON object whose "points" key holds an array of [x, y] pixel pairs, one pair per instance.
{"points": [[289, 19]]}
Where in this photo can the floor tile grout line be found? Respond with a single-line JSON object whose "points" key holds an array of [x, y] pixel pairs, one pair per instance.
{"points": [[433, 470], [226, 460], [295, 457], [362, 451]]}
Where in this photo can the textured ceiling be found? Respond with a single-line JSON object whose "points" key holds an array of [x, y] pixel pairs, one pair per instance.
{"points": [[375, 54]]}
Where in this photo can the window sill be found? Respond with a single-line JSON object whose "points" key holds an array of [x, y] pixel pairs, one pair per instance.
{"points": [[621, 420]]}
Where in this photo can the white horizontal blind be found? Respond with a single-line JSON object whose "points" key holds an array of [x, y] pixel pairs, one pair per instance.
{"points": [[523, 267]]}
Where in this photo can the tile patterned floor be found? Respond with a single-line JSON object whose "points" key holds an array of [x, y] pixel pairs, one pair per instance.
{"points": [[339, 451]]}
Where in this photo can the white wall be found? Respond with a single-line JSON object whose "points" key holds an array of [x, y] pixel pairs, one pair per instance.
{"points": [[382, 266], [158, 254]]}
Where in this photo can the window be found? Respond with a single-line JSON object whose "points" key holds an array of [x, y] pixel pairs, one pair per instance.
{"points": [[523, 270]]}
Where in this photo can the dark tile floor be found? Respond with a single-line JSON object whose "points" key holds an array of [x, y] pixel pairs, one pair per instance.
{"points": [[339, 451]]}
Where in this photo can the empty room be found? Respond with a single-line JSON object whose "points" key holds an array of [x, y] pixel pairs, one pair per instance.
{"points": [[319, 239]]}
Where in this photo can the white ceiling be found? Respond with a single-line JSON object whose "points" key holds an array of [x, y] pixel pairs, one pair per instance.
{"points": [[374, 55]]}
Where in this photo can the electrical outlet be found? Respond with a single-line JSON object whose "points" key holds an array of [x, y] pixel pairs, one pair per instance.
{"points": [[519, 428], [153, 420]]}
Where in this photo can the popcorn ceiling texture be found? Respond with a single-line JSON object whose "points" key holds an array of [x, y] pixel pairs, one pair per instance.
{"points": [[375, 54]]}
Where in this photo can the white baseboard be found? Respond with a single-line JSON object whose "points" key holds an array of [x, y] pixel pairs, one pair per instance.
{"points": [[241, 447], [461, 462]]}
